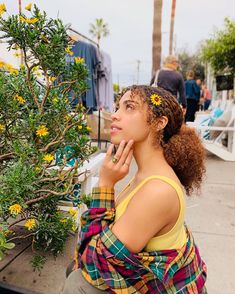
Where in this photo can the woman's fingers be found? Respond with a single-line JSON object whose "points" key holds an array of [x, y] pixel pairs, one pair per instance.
{"points": [[125, 152], [119, 152], [129, 158], [109, 153]]}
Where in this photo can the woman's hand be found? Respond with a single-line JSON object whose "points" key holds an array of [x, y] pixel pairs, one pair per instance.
{"points": [[116, 167]]}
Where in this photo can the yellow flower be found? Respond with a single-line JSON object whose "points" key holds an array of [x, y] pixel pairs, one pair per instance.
{"points": [[20, 99], [156, 99], [28, 20], [8, 66], [2, 127], [14, 71], [48, 157], [15, 209], [52, 79], [2, 63], [88, 128], [80, 127], [63, 220], [79, 59], [67, 117], [28, 7], [22, 66], [30, 223], [42, 131], [37, 169], [17, 54], [73, 212], [55, 100], [2, 9], [68, 51]]}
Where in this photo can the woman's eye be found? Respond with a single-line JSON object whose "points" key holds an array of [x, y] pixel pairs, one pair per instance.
{"points": [[129, 106]]}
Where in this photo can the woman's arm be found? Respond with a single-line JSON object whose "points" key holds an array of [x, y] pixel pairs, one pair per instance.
{"points": [[155, 207]]}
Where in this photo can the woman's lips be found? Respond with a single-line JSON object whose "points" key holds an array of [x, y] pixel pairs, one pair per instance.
{"points": [[114, 129]]}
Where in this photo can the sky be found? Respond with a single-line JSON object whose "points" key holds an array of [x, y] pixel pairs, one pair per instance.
{"points": [[131, 23]]}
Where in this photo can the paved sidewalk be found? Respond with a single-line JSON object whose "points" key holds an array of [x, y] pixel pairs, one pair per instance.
{"points": [[211, 217]]}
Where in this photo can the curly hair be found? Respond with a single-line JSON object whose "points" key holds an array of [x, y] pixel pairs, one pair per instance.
{"points": [[182, 147]]}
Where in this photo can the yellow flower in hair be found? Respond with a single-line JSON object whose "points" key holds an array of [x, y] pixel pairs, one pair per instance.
{"points": [[156, 99]]}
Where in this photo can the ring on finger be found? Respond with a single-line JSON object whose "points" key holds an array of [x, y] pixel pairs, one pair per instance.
{"points": [[114, 160]]}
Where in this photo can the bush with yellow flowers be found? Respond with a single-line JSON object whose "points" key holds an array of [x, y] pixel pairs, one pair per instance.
{"points": [[36, 122]]}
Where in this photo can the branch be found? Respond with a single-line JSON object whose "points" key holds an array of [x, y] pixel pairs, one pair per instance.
{"points": [[22, 237], [28, 79], [47, 91], [6, 156], [47, 195], [60, 138], [64, 83], [16, 222], [50, 192]]}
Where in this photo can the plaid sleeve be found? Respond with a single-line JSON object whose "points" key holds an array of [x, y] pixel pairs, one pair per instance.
{"points": [[102, 197], [107, 264], [95, 219]]}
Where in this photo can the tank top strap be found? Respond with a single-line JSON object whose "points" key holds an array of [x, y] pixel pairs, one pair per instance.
{"points": [[169, 181]]}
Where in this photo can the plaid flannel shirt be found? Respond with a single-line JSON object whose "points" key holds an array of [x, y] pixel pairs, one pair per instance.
{"points": [[108, 265]]}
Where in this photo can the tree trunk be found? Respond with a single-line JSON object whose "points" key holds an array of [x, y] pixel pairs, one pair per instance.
{"points": [[157, 36], [172, 27]]}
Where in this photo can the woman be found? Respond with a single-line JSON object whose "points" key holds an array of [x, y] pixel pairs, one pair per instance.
{"points": [[193, 91], [137, 242]]}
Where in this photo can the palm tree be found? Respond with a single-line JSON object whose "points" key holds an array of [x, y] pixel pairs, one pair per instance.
{"points": [[157, 36], [99, 29], [172, 26]]}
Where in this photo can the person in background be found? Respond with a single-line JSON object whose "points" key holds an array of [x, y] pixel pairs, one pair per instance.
{"points": [[171, 80], [200, 105], [137, 241], [207, 97], [192, 90]]}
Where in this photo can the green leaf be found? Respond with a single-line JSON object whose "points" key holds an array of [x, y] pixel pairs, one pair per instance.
{"points": [[9, 245]]}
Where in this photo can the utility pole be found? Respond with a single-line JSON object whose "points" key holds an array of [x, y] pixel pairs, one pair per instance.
{"points": [[172, 27], [138, 71]]}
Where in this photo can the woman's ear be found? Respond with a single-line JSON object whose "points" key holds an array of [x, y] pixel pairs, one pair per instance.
{"points": [[161, 122]]}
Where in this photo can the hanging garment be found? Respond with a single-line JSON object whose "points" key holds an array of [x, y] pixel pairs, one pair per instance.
{"points": [[105, 82], [89, 53]]}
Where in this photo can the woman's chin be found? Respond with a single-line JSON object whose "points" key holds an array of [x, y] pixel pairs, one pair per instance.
{"points": [[115, 141]]}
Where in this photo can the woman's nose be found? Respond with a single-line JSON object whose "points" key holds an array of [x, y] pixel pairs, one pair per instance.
{"points": [[115, 115]]}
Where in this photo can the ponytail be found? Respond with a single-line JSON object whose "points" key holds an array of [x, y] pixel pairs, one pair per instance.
{"points": [[185, 153]]}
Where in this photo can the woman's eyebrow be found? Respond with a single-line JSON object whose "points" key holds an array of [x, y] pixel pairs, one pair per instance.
{"points": [[130, 101]]}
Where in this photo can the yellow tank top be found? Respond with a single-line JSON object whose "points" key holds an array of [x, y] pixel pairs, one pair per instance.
{"points": [[176, 237]]}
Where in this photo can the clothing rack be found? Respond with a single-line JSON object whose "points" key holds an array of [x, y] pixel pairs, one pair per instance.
{"points": [[83, 36], [96, 44]]}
